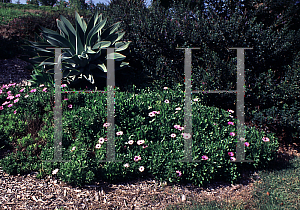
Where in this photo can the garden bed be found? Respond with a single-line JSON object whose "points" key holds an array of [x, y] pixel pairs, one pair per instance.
{"points": [[28, 192]]}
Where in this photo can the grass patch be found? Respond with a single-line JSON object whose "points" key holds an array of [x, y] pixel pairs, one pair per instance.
{"points": [[278, 188]]}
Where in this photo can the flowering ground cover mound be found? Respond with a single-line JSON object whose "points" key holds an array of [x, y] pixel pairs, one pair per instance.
{"points": [[149, 141]]}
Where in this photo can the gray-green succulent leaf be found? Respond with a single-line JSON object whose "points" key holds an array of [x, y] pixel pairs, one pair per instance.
{"points": [[87, 45]]}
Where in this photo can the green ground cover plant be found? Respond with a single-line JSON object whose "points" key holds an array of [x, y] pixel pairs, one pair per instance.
{"points": [[149, 137]]}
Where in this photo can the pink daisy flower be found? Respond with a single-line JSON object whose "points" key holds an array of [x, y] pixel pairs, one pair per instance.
{"points": [[233, 158], [204, 157], [176, 126], [265, 139], [230, 154], [151, 114], [101, 140], [137, 158], [130, 142], [6, 102], [119, 133], [179, 173], [141, 169], [106, 125], [139, 142], [181, 128], [186, 135]]}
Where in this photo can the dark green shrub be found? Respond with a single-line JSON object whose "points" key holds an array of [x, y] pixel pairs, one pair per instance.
{"points": [[9, 47], [156, 33], [278, 101]]}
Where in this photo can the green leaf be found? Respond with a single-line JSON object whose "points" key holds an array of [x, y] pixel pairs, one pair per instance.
{"points": [[79, 40], [102, 44], [102, 67], [121, 46], [115, 37], [97, 38], [62, 28], [120, 36], [80, 21], [63, 42], [48, 61], [54, 42], [49, 31], [41, 44], [42, 51], [70, 72], [98, 18], [95, 30], [84, 24], [111, 29], [90, 78], [71, 31], [37, 38], [68, 25], [92, 22], [112, 38], [124, 64], [116, 56]]}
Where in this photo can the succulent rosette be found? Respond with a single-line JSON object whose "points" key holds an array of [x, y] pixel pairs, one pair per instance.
{"points": [[84, 61]]}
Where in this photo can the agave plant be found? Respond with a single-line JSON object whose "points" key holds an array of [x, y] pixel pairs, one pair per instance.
{"points": [[84, 61]]}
